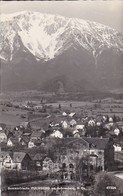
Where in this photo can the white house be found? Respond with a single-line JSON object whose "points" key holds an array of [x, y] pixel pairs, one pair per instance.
{"points": [[12, 141], [76, 133], [73, 122], [91, 123], [104, 118], [64, 124], [110, 119], [72, 114], [56, 133], [116, 131], [3, 136], [64, 114], [9, 142], [98, 123], [80, 127], [6, 160], [117, 148]]}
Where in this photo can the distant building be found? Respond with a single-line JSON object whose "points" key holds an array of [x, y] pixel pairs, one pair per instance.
{"points": [[15, 160], [6, 160], [56, 133], [73, 123], [3, 136], [21, 160], [91, 122], [38, 161], [101, 148], [31, 144], [12, 141], [25, 125], [36, 135], [64, 124]]}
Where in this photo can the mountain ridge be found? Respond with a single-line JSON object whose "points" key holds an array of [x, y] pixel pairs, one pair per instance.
{"points": [[81, 52], [48, 41]]}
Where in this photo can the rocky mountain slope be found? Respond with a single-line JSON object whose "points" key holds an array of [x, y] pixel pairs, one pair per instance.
{"points": [[39, 51]]}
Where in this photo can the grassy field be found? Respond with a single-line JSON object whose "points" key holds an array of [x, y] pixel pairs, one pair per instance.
{"points": [[13, 116]]}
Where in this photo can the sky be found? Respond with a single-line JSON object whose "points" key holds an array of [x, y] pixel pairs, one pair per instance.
{"points": [[106, 12]]}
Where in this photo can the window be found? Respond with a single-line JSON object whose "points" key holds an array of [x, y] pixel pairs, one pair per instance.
{"points": [[71, 166], [64, 165], [100, 152]]}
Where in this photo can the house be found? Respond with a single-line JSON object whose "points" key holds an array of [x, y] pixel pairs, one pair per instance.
{"points": [[68, 166], [3, 136], [6, 160], [72, 114], [56, 167], [110, 119], [80, 125], [116, 131], [102, 148], [24, 140], [64, 114], [68, 132], [31, 144], [69, 157], [64, 124], [2, 126], [36, 134], [12, 141], [104, 119], [56, 133], [73, 123], [21, 160], [38, 142], [38, 107], [77, 134], [35, 143], [117, 147], [38, 161], [91, 122], [81, 128], [99, 120], [25, 125], [17, 132]]}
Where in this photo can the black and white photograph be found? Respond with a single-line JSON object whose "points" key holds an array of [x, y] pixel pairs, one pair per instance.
{"points": [[61, 98]]}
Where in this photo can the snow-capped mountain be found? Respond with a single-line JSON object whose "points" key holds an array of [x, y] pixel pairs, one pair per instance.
{"points": [[52, 40], [46, 36]]}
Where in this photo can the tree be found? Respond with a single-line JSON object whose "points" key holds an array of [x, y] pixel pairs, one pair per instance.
{"points": [[105, 185], [114, 118], [59, 106]]}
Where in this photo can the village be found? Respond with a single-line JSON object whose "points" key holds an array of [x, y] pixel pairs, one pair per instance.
{"points": [[59, 142]]}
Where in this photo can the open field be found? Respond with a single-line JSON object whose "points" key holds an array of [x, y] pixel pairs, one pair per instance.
{"points": [[13, 115]]}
